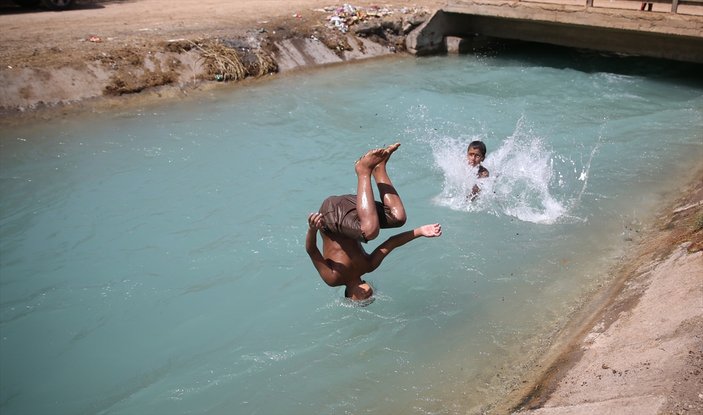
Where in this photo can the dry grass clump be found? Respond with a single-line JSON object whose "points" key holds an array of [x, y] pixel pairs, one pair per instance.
{"points": [[265, 63], [698, 222], [696, 235], [222, 62], [225, 62]]}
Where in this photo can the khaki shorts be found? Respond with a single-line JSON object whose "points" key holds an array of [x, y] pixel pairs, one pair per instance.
{"points": [[341, 217]]}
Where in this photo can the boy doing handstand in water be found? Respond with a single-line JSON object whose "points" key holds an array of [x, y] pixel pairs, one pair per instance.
{"points": [[346, 221]]}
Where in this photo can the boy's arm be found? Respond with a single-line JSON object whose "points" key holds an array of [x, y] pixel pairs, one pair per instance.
{"points": [[378, 255], [316, 257], [475, 190]]}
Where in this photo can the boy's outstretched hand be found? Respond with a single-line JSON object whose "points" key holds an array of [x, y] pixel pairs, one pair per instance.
{"points": [[431, 231]]}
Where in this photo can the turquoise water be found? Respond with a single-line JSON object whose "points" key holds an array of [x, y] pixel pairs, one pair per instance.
{"points": [[153, 260]]}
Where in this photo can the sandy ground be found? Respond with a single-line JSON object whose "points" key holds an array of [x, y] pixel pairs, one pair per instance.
{"points": [[637, 348], [33, 37], [108, 48]]}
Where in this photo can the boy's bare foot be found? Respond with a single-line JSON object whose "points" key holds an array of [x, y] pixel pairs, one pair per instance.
{"points": [[430, 231], [389, 150], [368, 161]]}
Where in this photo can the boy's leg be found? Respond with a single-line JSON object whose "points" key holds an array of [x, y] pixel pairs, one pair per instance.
{"points": [[365, 204], [389, 196]]}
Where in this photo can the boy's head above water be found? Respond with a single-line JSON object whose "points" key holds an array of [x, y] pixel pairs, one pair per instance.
{"points": [[476, 153], [358, 292]]}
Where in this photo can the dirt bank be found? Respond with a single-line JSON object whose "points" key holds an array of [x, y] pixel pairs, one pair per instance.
{"points": [[637, 348], [105, 49]]}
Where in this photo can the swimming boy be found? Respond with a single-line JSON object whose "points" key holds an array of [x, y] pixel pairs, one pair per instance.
{"points": [[475, 154], [346, 221]]}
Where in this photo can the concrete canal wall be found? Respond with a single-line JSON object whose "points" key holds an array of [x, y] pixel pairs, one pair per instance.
{"points": [[632, 32]]}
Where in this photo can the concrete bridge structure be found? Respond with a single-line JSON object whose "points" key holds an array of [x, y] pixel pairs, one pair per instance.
{"points": [[463, 26]]}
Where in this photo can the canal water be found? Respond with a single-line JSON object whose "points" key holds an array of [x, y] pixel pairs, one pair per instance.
{"points": [[152, 260]]}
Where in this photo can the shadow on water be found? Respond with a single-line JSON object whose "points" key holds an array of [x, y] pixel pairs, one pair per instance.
{"points": [[589, 61]]}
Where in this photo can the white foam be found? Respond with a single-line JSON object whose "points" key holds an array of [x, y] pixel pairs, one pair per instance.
{"points": [[521, 182]]}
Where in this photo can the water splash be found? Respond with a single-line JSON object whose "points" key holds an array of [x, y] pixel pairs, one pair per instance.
{"points": [[523, 182]]}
